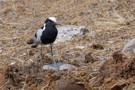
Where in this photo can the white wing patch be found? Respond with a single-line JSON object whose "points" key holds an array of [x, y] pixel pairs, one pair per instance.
{"points": [[44, 27], [37, 37]]}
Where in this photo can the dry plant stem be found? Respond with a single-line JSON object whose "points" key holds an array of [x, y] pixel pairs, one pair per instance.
{"points": [[24, 83], [45, 86], [2, 87], [19, 19]]}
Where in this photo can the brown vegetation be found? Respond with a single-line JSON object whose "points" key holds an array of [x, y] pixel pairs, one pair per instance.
{"points": [[110, 24]]}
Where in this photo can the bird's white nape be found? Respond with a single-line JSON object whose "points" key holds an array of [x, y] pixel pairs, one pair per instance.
{"points": [[53, 19]]}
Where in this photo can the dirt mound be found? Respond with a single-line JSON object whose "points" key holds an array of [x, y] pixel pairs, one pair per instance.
{"points": [[110, 25], [116, 73], [15, 77], [68, 85]]}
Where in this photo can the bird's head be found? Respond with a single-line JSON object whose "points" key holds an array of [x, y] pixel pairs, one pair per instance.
{"points": [[52, 21]]}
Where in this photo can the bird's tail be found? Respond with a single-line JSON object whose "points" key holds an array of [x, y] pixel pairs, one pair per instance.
{"points": [[34, 46], [30, 41]]}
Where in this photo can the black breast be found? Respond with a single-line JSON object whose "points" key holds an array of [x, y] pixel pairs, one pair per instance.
{"points": [[49, 35]]}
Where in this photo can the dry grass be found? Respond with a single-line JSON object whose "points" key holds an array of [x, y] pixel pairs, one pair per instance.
{"points": [[111, 20]]}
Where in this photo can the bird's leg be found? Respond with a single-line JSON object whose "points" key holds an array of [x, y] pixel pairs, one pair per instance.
{"points": [[52, 57], [41, 57]]}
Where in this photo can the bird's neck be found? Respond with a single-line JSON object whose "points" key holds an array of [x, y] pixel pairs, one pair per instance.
{"points": [[47, 26], [44, 26]]}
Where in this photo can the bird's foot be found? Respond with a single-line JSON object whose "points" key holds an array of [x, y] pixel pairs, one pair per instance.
{"points": [[56, 66]]}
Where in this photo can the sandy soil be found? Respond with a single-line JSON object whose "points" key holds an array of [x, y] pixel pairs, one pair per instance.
{"points": [[110, 24]]}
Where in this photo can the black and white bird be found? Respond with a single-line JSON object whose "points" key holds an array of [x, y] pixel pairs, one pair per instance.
{"points": [[46, 35]]}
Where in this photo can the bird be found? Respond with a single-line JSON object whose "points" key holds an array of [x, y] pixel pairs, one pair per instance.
{"points": [[44, 36]]}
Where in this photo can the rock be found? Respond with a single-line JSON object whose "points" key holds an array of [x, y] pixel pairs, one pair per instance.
{"points": [[67, 32], [130, 46], [61, 66], [0, 50], [64, 84], [13, 63], [89, 58], [92, 33], [79, 47]]}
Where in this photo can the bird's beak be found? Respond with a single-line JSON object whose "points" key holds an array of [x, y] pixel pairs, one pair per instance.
{"points": [[57, 23]]}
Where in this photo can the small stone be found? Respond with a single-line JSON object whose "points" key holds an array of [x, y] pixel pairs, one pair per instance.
{"points": [[0, 50], [79, 47], [12, 63], [92, 33]]}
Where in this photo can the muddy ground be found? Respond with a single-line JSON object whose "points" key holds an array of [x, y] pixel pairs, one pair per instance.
{"points": [[100, 65]]}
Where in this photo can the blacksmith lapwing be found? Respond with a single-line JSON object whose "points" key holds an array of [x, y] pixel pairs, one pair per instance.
{"points": [[46, 35]]}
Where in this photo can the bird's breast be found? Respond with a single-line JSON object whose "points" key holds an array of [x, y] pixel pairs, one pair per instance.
{"points": [[49, 36]]}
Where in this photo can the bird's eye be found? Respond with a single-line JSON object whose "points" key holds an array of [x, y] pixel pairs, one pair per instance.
{"points": [[50, 21]]}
